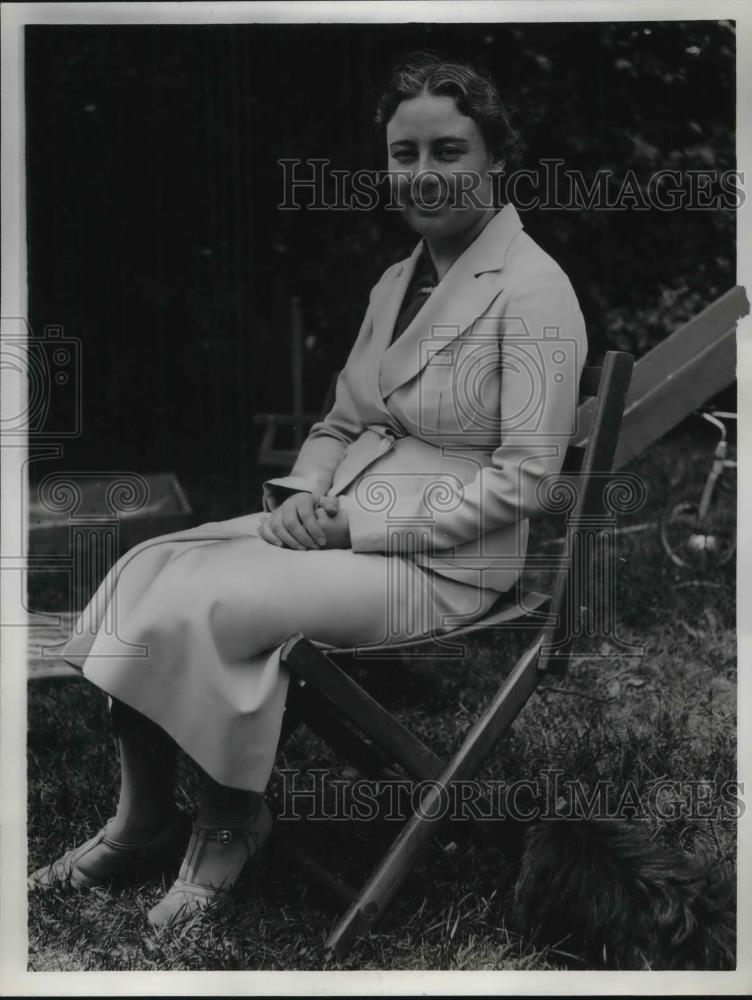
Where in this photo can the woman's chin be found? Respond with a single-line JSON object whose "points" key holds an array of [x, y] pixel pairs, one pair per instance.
{"points": [[445, 222], [430, 222]]}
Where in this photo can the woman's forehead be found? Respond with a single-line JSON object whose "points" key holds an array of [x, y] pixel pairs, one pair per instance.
{"points": [[428, 117]]}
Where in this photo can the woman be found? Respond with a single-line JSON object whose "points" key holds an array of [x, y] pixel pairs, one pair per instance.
{"points": [[406, 511]]}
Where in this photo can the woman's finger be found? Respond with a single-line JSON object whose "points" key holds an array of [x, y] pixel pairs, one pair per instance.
{"points": [[330, 505], [278, 526], [273, 532], [267, 535], [294, 526], [307, 515]]}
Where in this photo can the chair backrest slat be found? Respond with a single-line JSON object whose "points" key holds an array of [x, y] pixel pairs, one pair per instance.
{"points": [[588, 468], [573, 460], [590, 380]]}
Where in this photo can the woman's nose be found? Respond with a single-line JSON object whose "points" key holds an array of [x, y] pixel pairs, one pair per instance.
{"points": [[425, 165], [427, 182]]}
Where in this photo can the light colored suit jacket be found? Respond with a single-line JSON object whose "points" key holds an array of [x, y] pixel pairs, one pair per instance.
{"points": [[438, 443]]}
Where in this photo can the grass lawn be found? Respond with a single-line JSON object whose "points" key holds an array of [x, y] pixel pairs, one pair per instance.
{"points": [[667, 715]]}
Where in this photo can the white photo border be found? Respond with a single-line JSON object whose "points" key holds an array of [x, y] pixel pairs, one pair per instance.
{"points": [[14, 977]]}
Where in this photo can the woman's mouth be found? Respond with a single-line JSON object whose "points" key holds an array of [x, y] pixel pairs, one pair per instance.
{"points": [[427, 206]]}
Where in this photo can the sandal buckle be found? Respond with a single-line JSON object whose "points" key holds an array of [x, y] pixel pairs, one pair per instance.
{"points": [[224, 836]]}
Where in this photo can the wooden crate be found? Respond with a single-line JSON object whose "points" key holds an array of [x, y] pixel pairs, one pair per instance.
{"points": [[135, 507], [84, 522]]}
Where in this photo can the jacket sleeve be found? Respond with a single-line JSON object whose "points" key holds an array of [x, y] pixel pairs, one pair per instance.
{"points": [[543, 346], [327, 440]]}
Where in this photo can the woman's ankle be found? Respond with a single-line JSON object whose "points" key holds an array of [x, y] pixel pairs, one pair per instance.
{"points": [[136, 828], [222, 807]]}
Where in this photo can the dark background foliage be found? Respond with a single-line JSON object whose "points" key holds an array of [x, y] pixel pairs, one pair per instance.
{"points": [[156, 240]]}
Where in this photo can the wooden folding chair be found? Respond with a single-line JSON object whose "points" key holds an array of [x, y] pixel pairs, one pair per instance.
{"points": [[331, 703]]}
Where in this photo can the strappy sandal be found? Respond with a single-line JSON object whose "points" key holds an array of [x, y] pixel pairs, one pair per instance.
{"points": [[203, 880], [116, 859]]}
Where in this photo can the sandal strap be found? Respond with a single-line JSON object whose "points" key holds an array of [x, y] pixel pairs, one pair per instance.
{"points": [[231, 834], [118, 845], [227, 835]]}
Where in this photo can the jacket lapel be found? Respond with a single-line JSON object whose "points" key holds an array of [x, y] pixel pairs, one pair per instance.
{"points": [[468, 287], [389, 298]]}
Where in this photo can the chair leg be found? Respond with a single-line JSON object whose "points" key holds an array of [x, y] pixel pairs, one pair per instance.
{"points": [[401, 858], [319, 674], [313, 710], [318, 671]]}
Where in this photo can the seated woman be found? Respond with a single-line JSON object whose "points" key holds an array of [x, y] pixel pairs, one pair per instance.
{"points": [[406, 512]]}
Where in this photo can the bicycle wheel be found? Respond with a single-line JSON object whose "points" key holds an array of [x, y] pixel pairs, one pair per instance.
{"points": [[705, 546]]}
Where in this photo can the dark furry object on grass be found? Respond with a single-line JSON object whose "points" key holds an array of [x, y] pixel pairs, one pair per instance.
{"points": [[602, 891]]}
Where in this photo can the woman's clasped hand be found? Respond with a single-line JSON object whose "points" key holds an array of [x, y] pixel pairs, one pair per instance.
{"points": [[307, 521]]}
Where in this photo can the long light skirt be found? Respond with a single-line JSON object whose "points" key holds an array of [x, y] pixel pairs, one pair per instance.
{"points": [[187, 629]]}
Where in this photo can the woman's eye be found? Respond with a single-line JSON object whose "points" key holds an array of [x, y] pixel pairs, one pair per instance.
{"points": [[403, 156], [449, 153]]}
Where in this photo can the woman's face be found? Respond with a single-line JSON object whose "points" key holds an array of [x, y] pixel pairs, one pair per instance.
{"points": [[439, 166]]}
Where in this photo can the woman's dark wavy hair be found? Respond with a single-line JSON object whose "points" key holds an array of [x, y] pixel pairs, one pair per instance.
{"points": [[474, 92]]}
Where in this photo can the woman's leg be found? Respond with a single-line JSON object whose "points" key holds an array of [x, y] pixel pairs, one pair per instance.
{"points": [[148, 760], [147, 822], [232, 825], [220, 806]]}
